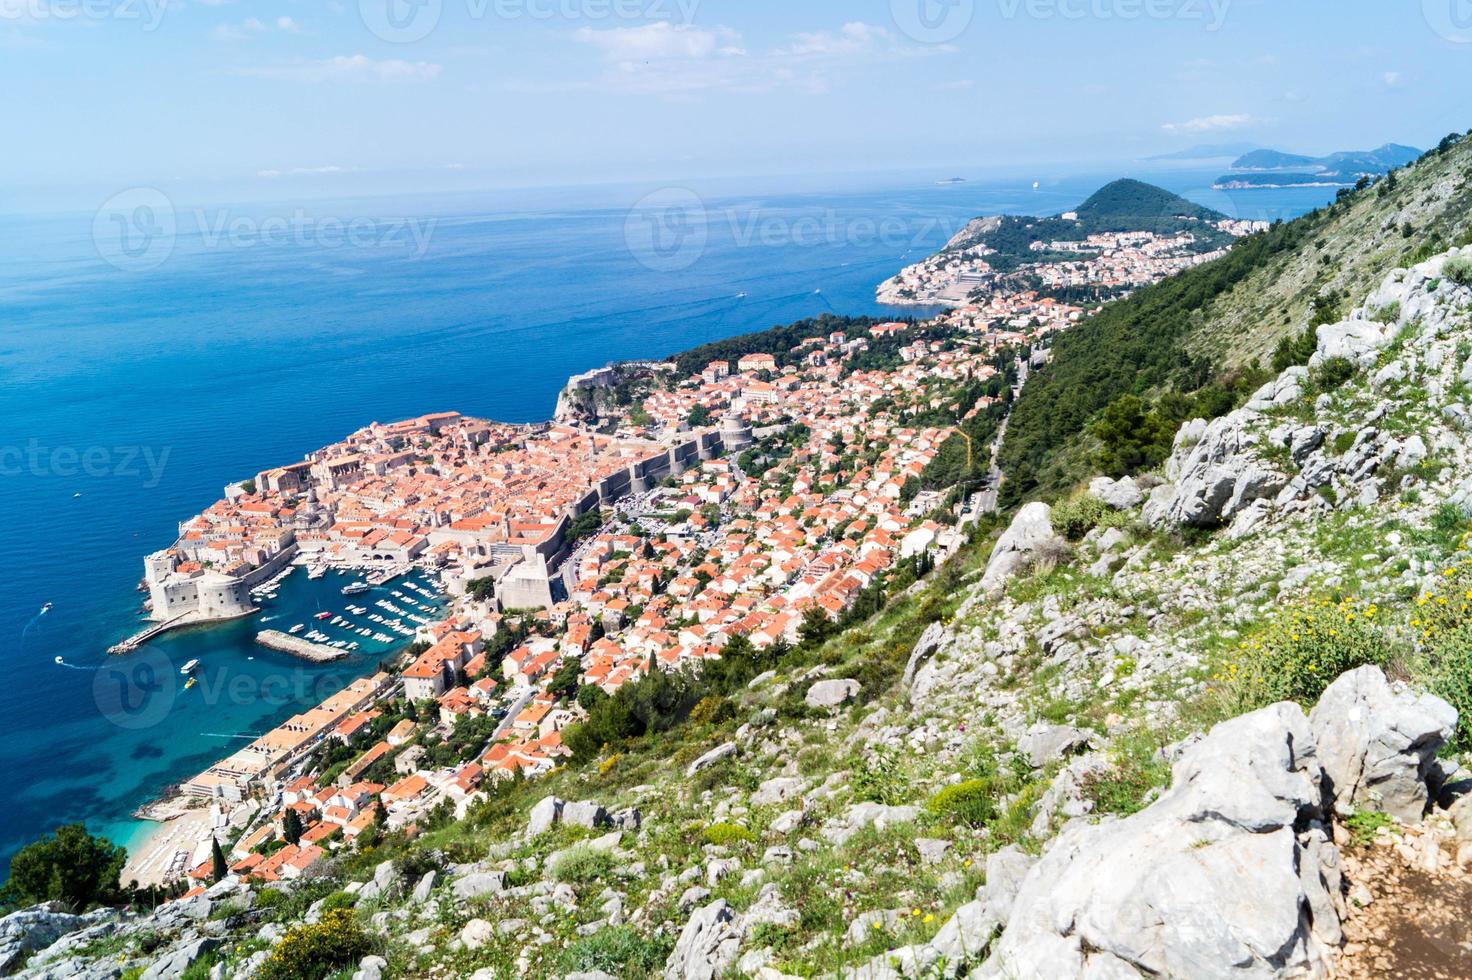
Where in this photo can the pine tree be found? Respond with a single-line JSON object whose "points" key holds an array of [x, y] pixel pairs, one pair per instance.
{"points": [[219, 869], [291, 827]]}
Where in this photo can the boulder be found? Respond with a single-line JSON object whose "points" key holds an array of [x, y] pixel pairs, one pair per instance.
{"points": [[478, 884], [1225, 875], [172, 965], [1121, 494], [384, 882], [1043, 744], [831, 693], [1377, 745], [1031, 531], [708, 945], [29, 930], [777, 790], [585, 814], [710, 758], [543, 816], [928, 643], [476, 933], [424, 887]]}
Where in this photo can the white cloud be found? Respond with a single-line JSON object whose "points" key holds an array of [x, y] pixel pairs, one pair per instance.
{"points": [[852, 38], [1211, 124], [661, 41], [356, 67], [253, 26], [1392, 79], [677, 61]]}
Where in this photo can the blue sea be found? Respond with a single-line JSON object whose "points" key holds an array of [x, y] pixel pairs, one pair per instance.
{"points": [[136, 381]]}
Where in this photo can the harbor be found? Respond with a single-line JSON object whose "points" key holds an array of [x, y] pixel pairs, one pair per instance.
{"points": [[319, 653]]}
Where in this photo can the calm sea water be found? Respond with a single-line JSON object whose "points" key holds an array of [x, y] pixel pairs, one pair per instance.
{"points": [[130, 396]]}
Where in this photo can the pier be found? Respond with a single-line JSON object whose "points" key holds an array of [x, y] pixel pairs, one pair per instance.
{"points": [[305, 649], [144, 635]]}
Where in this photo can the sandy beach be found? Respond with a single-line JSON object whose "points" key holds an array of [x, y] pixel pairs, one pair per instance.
{"points": [[151, 861]]}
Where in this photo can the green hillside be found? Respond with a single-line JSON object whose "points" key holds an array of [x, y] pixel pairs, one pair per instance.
{"points": [[1120, 206], [1196, 344]]}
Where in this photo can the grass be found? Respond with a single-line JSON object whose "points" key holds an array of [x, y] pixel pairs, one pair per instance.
{"points": [[1363, 825]]}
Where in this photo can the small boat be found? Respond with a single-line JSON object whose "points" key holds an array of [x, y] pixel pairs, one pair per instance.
{"points": [[189, 667], [60, 661], [297, 628], [357, 588], [45, 609], [190, 683], [324, 615]]}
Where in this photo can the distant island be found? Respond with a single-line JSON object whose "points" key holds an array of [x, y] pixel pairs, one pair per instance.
{"points": [[1259, 169], [952, 180], [1127, 234]]}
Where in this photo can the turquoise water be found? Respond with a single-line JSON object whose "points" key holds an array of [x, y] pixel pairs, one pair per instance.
{"points": [[129, 398]]}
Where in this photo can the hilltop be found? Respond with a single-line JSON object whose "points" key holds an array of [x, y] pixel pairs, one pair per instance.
{"points": [[1064, 257]]}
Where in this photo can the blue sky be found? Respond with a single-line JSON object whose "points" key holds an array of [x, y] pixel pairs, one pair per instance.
{"points": [[342, 95]]}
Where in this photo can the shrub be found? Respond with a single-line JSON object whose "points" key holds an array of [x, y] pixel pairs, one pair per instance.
{"points": [[712, 709], [877, 777], [1458, 269], [582, 864], [1135, 771], [970, 803], [1442, 627], [1331, 373], [310, 952], [1388, 313], [727, 833], [1302, 651], [1077, 517], [619, 951]]}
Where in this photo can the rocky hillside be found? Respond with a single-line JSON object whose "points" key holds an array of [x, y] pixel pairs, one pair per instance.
{"points": [[1205, 723], [1199, 341]]}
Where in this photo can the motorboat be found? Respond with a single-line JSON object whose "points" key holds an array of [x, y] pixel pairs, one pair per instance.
{"points": [[189, 667]]}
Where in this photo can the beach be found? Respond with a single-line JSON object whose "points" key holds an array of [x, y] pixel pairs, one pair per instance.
{"points": [[159, 848]]}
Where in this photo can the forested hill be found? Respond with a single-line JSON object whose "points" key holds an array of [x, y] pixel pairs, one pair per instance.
{"points": [[1133, 205], [1119, 206], [1196, 344]]}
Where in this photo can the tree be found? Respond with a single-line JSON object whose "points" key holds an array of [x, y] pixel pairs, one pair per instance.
{"points": [[71, 866], [816, 627], [219, 867], [564, 683], [291, 827], [1131, 438], [481, 589]]}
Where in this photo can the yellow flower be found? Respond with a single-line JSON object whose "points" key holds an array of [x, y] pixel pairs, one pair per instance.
{"points": [[914, 912], [928, 918]]}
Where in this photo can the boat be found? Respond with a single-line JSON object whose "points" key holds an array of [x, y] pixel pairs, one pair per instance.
{"points": [[45, 609], [189, 667], [190, 683], [60, 661], [296, 629], [324, 615], [357, 588]]}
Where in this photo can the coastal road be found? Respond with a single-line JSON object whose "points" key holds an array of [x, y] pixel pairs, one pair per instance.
{"points": [[512, 712]]}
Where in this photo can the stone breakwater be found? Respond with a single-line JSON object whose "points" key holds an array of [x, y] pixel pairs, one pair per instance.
{"points": [[304, 649]]}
